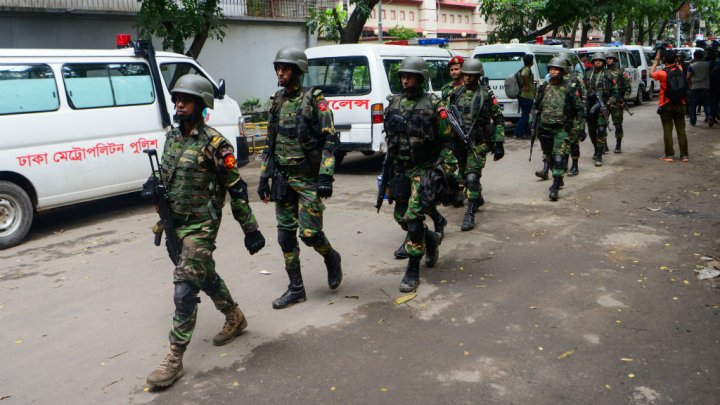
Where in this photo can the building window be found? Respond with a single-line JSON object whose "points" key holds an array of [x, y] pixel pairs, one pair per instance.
{"points": [[383, 14], [452, 19], [392, 14], [467, 20], [402, 16], [444, 18], [373, 15], [412, 16]]}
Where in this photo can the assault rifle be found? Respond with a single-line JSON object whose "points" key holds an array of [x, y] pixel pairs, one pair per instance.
{"points": [[600, 105], [156, 191], [385, 177], [535, 117], [455, 120]]}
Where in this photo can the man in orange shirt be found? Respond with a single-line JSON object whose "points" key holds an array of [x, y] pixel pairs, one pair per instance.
{"points": [[672, 112]]}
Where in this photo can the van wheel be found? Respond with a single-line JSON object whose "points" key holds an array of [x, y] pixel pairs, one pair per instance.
{"points": [[16, 214], [639, 98], [339, 158], [368, 152], [652, 91]]}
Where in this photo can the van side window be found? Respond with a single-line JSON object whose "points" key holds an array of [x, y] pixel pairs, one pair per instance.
{"points": [[27, 89], [108, 85], [542, 61], [636, 60], [339, 76], [439, 73], [391, 70], [499, 65], [173, 71]]}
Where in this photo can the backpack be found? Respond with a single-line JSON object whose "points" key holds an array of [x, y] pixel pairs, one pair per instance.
{"points": [[676, 85], [512, 85]]}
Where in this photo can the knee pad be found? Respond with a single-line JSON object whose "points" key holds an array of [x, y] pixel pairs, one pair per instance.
{"points": [[313, 240], [287, 240], [416, 231], [601, 131], [212, 287], [560, 162], [575, 149], [185, 298], [473, 181], [618, 129]]}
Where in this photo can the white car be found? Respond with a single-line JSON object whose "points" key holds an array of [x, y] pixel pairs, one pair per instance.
{"points": [[502, 60], [356, 80], [643, 57], [75, 123]]}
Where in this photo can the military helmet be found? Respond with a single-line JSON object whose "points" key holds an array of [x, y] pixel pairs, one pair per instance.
{"points": [[414, 64], [598, 56], [473, 67], [292, 56], [195, 85], [613, 55], [559, 63]]}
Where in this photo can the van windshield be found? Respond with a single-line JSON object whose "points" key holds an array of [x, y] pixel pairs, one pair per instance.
{"points": [[339, 76], [498, 66]]}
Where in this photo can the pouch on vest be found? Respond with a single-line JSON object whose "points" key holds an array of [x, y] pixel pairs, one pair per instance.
{"points": [[399, 187], [279, 188]]}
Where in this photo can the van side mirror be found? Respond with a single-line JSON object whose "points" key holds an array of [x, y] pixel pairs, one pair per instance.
{"points": [[221, 89]]}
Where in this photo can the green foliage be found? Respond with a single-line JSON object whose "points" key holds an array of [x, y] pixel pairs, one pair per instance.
{"points": [[177, 21], [328, 23], [402, 33], [251, 104]]}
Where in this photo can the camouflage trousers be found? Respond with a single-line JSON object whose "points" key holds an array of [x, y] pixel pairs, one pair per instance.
{"points": [[555, 145], [616, 113], [411, 209], [303, 209], [597, 129], [574, 140], [476, 166], [196, 272]]}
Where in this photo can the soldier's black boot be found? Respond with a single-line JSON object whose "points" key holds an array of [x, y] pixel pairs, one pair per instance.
{"points": [[574, 168], [401, 253], [555, 188], [432, 248], [605, 149], [469, 220], [334, 269], [598, 155], [295, 292], [439, 223], [618, 144], [543, 173], [411, 279]]}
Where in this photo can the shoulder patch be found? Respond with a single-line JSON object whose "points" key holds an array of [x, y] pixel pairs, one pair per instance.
{"points": [[322, 105], [229, 161], [442, 112]]}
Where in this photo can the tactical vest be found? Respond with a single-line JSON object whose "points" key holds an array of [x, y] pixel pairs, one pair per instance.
{"points": [[414, 139], [191, 181], [473, 107], [554, 104], [294, 130]]}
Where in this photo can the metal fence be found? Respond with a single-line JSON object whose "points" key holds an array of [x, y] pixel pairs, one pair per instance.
{"points": [[255, 9]]}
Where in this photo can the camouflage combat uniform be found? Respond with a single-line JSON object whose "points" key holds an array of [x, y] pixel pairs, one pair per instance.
{"points": [[448, 92], [578, 126], [598, 84], [619, 79], [198, 183]]}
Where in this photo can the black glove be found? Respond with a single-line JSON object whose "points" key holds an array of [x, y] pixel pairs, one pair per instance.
{"points": [[254, 241], [582, 135], [264, 188], [325, 188], [499, 151]]}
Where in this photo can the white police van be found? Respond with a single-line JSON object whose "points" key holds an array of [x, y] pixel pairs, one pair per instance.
{"points": [[74, 124], [502, 60], [356, 80]]}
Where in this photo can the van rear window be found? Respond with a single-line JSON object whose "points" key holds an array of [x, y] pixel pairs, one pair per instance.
{"points": [[339, 76], [500, 65], [27, 89], [108, 85]]}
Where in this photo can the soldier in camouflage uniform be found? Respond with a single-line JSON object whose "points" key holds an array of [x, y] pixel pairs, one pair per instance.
{"points": [[559, 104], [199, 167], [455, 65], [577, 134], [598, 85], [300, 159], [483, 122], [620, 78], [418, 140]]}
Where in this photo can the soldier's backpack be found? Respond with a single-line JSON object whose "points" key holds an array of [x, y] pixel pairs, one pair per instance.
{"points": [[512, 85], [676, 85]]}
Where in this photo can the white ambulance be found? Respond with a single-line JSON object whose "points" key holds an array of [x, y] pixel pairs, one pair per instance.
{"points": [[74, 124], [502, 60], [356, 80]]}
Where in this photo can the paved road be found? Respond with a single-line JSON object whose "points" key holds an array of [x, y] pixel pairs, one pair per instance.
{"points": [[591, 299]]}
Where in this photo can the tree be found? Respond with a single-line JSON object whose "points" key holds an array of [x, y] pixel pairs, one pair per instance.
{"points": [[331, 24], [402, 33], [177, 21]]}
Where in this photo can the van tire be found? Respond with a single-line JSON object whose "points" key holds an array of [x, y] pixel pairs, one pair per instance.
{"points": [[640, 94], [16, 214], [339, 156]]}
